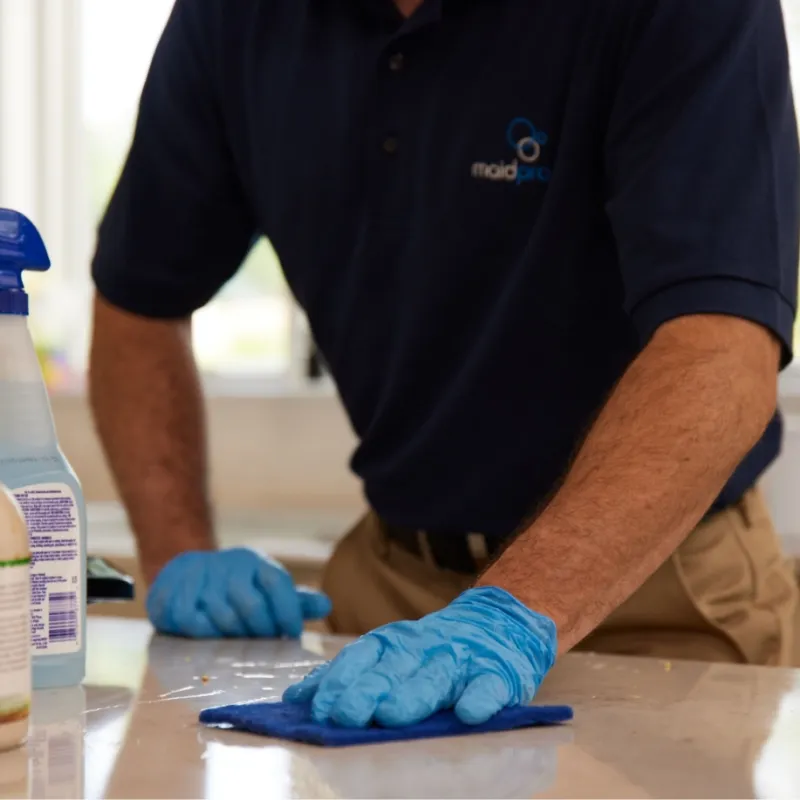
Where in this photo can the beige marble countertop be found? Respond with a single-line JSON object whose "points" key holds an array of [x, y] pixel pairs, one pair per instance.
{"points": [[642, 728]]}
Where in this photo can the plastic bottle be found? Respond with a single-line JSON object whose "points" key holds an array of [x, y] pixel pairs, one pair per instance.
{"points": [[33, 467], [15, 649]]}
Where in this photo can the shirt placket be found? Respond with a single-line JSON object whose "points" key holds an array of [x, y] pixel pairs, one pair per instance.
{"points": [[391, 124]]}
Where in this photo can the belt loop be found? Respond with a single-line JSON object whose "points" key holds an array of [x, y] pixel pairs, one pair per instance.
{"points": [[425, 549], [478, 549]]}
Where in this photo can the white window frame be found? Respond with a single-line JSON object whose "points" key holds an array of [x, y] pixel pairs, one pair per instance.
{"points": [[42, 169], [41, 156]]}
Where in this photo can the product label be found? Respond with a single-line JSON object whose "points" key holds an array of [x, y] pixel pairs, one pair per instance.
{"points": [[15, 665], [51, 514]]}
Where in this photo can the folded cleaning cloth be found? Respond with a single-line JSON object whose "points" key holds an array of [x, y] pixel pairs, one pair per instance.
{"points": [[294, 722]]}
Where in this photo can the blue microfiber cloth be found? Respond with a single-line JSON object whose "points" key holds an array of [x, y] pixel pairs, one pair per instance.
{"points": [[294, 722]]}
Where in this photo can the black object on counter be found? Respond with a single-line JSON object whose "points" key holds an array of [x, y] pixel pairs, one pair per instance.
{"points": [[106, 584]]}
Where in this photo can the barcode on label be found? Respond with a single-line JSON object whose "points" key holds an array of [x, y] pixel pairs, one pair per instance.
{"points": [[63, 616]]}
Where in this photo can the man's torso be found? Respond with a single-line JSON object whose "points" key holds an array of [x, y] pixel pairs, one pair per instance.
{"points": [[436, 192]]}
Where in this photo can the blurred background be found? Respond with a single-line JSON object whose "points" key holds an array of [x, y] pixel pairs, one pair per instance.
{"points": [[71, 72]]}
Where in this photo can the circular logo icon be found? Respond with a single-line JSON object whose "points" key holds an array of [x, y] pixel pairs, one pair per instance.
{"points": [[526, 140]]}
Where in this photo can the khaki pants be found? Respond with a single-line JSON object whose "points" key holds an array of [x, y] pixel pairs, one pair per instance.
{"points": [[726, 594]]}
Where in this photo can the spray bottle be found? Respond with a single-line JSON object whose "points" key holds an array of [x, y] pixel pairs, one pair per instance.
{"points": [[35, 470]]}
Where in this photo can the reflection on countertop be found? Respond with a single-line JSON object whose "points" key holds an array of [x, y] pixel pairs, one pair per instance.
{"points": [[642, 728]]}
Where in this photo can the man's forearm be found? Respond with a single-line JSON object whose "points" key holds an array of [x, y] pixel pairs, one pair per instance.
{"points": [[148, 409], [683, 416]]}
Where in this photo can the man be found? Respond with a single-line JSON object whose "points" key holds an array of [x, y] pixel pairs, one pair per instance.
{"points": [[549, 253]]}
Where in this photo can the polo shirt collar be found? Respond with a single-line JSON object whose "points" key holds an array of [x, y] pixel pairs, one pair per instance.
{"points": [[386, 11]]}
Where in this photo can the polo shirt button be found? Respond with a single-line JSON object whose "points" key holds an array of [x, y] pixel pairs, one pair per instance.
{"points": [[390, 145], [396, 62]]}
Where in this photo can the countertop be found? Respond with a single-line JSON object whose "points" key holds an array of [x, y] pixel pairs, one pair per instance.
{"points": [[642, 728]]}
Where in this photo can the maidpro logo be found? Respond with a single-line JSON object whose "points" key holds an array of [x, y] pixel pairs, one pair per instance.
{"points": [[527, 143]]}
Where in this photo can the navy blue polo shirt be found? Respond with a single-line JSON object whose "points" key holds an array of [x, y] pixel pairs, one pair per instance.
{"points": [[486, 211]]}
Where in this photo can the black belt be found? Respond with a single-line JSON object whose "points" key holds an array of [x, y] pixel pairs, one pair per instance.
{"points": [[467, 553], [453, 550]]}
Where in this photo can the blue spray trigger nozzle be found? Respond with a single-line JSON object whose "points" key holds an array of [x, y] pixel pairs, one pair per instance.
{"points": [[21, 248]]}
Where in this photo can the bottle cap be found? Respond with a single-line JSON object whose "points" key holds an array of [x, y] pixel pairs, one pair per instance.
{"points": [[21, 248]]}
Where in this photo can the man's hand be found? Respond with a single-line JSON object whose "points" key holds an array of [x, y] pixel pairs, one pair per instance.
{"points": [[681, 419], [482, 653], [236, 593]]}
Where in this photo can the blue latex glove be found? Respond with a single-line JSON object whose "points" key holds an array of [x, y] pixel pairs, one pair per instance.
{"points": [[236, 593], [483, 652]]}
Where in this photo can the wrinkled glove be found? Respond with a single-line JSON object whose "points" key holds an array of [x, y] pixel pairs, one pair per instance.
{"points": [[236, 593], [483, 652]]}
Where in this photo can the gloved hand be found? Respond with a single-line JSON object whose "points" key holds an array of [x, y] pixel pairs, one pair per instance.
{"points": [[482, 653], [236, 593]]}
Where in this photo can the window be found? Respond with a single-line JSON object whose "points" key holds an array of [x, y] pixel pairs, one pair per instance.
{"points": [[63, 147], [247, 329], [791, 11]]}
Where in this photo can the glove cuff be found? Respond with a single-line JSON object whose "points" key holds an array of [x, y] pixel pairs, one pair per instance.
{"points": [[538, 633]]}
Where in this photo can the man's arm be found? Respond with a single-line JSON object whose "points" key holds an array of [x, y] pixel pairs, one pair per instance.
{"points": [[148, 409], [708, 263], [681, 419], [177, 227]]}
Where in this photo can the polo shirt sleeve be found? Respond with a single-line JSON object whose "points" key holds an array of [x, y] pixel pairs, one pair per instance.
{"points": [[701, 162], [178, 225]]}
